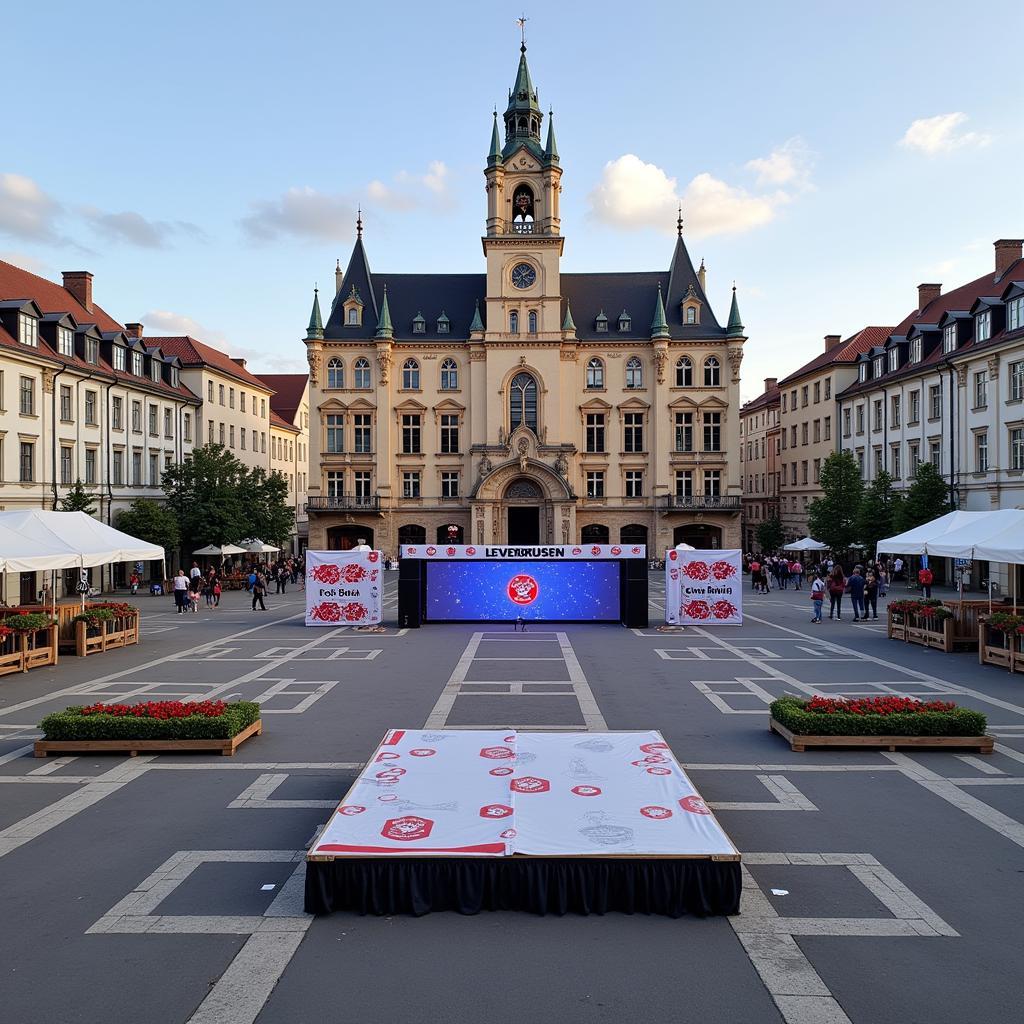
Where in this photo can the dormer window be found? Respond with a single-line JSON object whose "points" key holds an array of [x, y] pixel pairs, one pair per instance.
{"points": [[444, 325], [137, 364], [353, 309], [28, 330], [877, 367], [175, 377], [894, 359], [601, 323], [92, 350], [625, 323], [862, 372], [119, 357], [353, 318], [154, 370], [1015, 313], [419, 325], [949, 338], [915, 350], [983, 325], [65, 341]]}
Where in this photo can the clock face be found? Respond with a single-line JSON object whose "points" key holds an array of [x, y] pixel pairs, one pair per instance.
{"points": [[523, 275]]}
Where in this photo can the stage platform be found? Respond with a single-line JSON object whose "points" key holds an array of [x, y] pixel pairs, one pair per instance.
{"points": [[548, 822]]}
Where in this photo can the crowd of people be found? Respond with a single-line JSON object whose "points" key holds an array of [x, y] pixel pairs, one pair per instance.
{"points": [[197, 585]]}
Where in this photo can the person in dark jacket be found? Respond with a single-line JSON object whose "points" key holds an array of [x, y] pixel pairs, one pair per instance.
{"points": [[836, 589], [871, 594], [855, 585]]}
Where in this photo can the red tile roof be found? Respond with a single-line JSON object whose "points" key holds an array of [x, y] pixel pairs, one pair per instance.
{"points": [[282, 423], [769, 397], [50, 297], [845, 352], [288, 388], [196, 353]]}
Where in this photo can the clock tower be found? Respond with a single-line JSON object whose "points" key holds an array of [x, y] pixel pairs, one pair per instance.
{"points": [[523, 245]]}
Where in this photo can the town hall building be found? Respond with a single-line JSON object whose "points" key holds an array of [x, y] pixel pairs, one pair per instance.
{"points": [[523, 404]]}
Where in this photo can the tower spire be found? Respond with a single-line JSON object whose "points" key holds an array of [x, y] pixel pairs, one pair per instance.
{"points": [[679, 221], [659, 325], [523, 114], [551, 146], [359, 222], [735, 327], [384, 328], [494, 156], [316, 325]]}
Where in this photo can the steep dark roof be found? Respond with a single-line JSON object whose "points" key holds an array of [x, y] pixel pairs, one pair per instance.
{"points": [[288, 390], [845, 352], [773, 396]]}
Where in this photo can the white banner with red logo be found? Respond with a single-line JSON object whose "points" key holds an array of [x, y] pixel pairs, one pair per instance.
{"points": [[343, 588], [704, 588], [489, 793], [537, 552]]}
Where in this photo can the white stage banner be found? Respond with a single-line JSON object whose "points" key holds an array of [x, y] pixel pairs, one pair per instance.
{"points": [[343, 588], [540, 552], [704, 587]]}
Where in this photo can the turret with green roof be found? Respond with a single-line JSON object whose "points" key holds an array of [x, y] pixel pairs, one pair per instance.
{"points": [[316, 326], [734, 329], [384, 328]]}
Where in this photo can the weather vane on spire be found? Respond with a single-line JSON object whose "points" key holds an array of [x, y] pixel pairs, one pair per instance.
{"points": [[521, 22]]}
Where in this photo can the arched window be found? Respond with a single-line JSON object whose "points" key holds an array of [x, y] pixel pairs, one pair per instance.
{"points": [[353, 317], [362, 373], [634, 533], [684, 372], [522, 402], [595, 373], [335, 373], [513, 322], [634, 372], [712, 372], [532, 320], [449, 375], [411, 375], [594, 533], [412, 533], [691, 314]]}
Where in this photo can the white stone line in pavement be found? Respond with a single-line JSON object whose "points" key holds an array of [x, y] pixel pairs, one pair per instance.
{"points": [[1015, 755], [290, 687], [52, 766], [987, 781], [787, 798], [980, 764], [587, 701], [13, 755], [806, 767], [258, 795], [446, 701], [64, 780]]}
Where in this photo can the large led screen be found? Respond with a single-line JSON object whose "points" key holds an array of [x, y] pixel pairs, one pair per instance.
{"points": [[534, 590]]}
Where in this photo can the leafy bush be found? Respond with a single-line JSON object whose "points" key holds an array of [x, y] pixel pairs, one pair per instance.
{"points": [[1005, 622], [94, 616], [26, 622], [793, 713], [73, 724], [926, 608]]}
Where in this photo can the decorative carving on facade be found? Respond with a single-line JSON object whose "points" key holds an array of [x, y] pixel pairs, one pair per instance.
{"points": [[961, 375], [485, 467], [660, 359], [993, 367], [565, 529], [561, 464], [569, 355], [523, 448], [313, 358], [384, 364], [477, 355], [48, 378], [524, 489], [735, 357]]}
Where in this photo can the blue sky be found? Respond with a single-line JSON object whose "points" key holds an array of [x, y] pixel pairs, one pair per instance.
{"points": [[204, 160]]}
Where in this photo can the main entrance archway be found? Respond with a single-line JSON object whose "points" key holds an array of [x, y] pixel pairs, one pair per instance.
{"points": [[344, 538], [522, 502]]}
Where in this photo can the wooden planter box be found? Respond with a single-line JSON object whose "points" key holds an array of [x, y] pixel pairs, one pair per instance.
{"points": [[916, 629], [113, 633], [1010, 657], [30, 650], [133, 747], [982, 744]]}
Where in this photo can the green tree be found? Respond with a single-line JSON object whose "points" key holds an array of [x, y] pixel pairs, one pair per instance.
{"points": [[769, 535], [927, 499], [207, 494], [153, 522], [270, 516], [78, 499], [876, 516], [832, 518]]}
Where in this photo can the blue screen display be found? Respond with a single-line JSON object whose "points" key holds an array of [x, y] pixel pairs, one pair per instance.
{"points": [[535, 590]]}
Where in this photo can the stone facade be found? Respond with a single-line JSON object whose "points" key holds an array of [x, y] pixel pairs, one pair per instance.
{"points": [[760, 452]]}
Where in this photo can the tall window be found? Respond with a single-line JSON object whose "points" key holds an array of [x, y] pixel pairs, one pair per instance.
{"points": [[684, 483], [27, 396], [28, 330], [847, 430], [895, 468], [119, 357], [66, 345], [983, 326], [595, 373], [241, 401], [817, 391], [1015, 313], [691, 315], [981, 451], [411, 375], [595, 431], [1017, 381], [712, 483], [335, 434], [26, 462], [411, 434], [712, 431], [713, 373], [895, 410], [411, 484], [914, 410], [449, 375], [118, 469], [684, 372], [634, 372], [449, 433], [949, 338], [513, 322], [65, 402], [209, 387], [1017, 448], [117, 414], [362, 486], [220, 393], [633, 432], [935, 454], [362, 373], [915, 350], [90, 465], [523, 402], [335, 373], [894, 359], [137, 417], [65, 465], [335, 484], [152, 421], [362, 432], [634, 483], [531, 319], [595, 483], [449, 484], [90, 408], [684, 432], [935, 401], [980, 389], [914, 456]]}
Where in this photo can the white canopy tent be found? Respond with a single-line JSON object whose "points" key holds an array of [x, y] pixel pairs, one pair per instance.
{"points": [[17, 554], [918, 540], [257, 547], [805, 544], [999, 531], [224, 549]]}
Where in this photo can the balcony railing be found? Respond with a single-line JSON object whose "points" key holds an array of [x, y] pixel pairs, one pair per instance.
{"points": [[342, 502], [703, 502]]}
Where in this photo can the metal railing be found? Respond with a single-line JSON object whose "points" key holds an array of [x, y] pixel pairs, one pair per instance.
{"points": [[703, 502], [341, 502]]}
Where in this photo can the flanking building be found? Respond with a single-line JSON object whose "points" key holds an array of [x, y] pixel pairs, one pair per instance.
{"points": [[289, 443], [760, 452], [522, 403]]}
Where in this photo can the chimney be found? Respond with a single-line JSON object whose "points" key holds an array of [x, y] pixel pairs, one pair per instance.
{"points": [[79, 283], [133, 330], [1008, 251], [831, 340], [927, 293], [240, 361], [339, 277], [769, 383]]}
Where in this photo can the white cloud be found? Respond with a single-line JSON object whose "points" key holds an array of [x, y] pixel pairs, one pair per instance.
{"points": [[301, 213], [134, 229], [412, 189], [788, 164], [164, 321], [941, 134], [633, 194], [29, 263], [26, 211]]}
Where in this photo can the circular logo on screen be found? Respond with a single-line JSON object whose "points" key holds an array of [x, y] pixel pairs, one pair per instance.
{"points": [[449, 551], [373, 556], [596, 550], [411, 551], [471, 550], [616, 550], [523, 589], [431, 552], [636, 550], [577, 551], [694, 804], [673, 555]]}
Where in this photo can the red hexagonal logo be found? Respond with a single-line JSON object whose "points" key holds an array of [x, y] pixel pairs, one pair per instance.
{"points": [[656, 812], [496, 752], [373, 556], [586, 790], [449, 552], [577, 551], [530, 784], [351, 809], [694, 804], [423, 752], [636, 550], [410, 551], [495, 811], [673, 555], [596, 550], [407, 828]]}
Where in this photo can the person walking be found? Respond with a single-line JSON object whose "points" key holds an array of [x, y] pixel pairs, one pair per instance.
{"points": [[755, 576], [216, 591], [259, 588], [883, 578], [836, 589], [282, 578], [871, 594], [180, 590], [195, 571], [926, 578], [783, 574], [817, 595], [855, 585], [133, 582], [796, 570]]}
